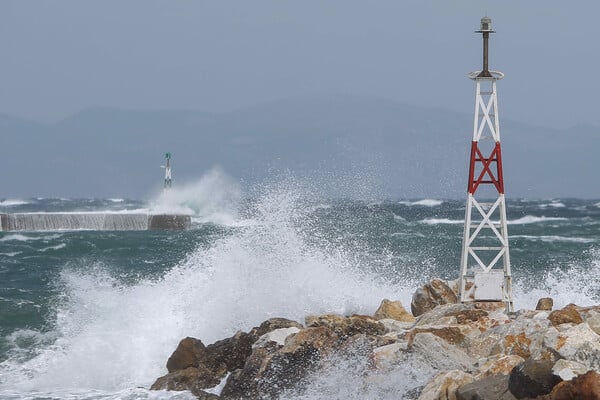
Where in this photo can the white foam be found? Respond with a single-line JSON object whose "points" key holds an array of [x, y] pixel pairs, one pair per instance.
{"points": [[424, 203], [17, 237], [11, 254], [531, 219], [441, 221], [13, 202], [57, 247], [554, 238], [117, 200]]}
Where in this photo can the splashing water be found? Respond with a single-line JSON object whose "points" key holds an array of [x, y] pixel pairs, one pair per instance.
{"points": [[113, 336], [213, 198]]}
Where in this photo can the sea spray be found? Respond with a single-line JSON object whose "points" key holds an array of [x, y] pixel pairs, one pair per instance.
{"points": [[113, 336], [215, 197]]}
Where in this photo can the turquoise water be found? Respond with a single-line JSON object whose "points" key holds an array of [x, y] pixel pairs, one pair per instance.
{"points": [[95, 314]]}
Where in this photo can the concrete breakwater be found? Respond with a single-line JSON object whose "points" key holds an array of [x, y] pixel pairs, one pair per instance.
{"points": [[93, 221]]}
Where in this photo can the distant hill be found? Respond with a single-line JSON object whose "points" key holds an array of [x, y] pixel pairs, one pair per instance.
{"points": [[349, 146]]}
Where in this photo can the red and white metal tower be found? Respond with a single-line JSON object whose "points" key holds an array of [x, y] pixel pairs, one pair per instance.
{"points": [[485, 273]]}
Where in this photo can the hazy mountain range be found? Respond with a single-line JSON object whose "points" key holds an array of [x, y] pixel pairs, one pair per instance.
{"points": [[348, 146]]}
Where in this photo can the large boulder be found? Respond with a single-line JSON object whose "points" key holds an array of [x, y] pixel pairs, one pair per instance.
{"points": [[346, 327], [443, 386], [569, 314], [432, 294], [545, 304], [440, 354], [584, 387], [271, 369], [231, 352], [191, 378], [274, 323], [532, 378], [578, 343], [244, 383], [493, 387], [393, 310], [300, 355], [499, 365], [568, 370], [190, 352]]}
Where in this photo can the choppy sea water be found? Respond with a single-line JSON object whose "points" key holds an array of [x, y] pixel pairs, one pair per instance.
{"points": [[96, 314]]}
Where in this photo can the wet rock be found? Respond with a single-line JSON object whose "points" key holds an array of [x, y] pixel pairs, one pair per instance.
{"points": [[545, 304], [569, 314], [244, 383], [300, 355], [276, 336], [493, 387], [345, 327], [390, 354], [188, 379], [443, 386], [231, 352], [189, 353], [432, 294], [532, 378], [393, 310], [584, 387], [568, 370], [274, 323]]}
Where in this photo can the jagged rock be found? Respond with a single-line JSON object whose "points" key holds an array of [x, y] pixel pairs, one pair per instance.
{"points": [[584, 387], [441, 314], [499, 365], [277, 336], [244, 383], [443, 386], [440, 354], [345, 327], [493, 387], [579, 343], [532, 378], [432, 294], [568, 314], [594, 322], [392, 325], [300, 355], [390, 354], [231, 352], [489, 305], [203, 395], [190, 378], [568, 370], [545, 304], [523, 336], [451, 334], [393, 310], [274, 323], [189, 353]]}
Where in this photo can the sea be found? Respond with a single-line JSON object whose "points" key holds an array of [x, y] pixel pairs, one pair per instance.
{"points": [[90, 314]]}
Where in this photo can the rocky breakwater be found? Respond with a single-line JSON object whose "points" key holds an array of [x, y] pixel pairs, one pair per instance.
{"points": [[472, 351]]}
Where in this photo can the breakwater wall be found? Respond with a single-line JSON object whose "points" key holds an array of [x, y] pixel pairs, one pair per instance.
{"points": [[93, 221]]}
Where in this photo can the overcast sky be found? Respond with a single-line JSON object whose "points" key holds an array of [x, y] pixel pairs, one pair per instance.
{"points": [[58, 57]]}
